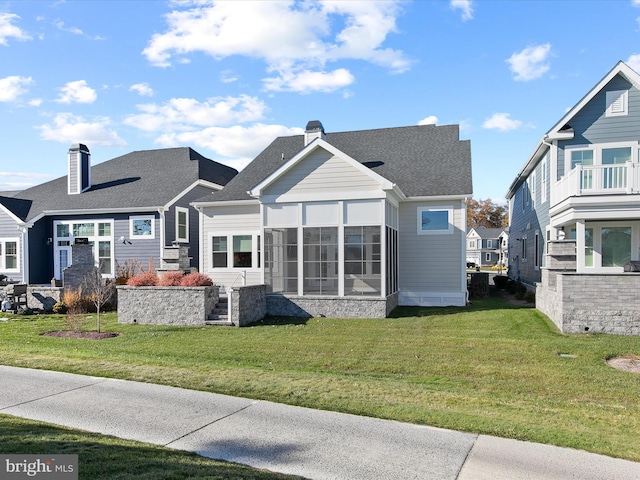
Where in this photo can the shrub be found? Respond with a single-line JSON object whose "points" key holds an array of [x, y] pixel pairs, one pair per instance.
{"points": [[511, 286], [500, 281], [530, 296], [127, 270], [59, 307], [196, 280], [171, 279], [76, 307], [145, 279]]}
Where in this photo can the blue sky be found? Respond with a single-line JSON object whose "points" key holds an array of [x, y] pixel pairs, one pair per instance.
{"points": [[226, 78]]}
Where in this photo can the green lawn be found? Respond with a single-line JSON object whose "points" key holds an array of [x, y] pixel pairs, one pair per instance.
{"points": [[488, 368]]}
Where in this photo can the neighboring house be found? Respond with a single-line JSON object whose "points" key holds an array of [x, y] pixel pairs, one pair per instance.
{"points": [[579, 194], [487, 246], [129, 208], [333, 223]]}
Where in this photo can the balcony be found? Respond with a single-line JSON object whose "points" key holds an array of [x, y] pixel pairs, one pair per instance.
{"points": [[586, 180]]}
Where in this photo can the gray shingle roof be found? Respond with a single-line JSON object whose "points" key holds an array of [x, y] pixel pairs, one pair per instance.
{"points": [[423, 160], [142, 179]]}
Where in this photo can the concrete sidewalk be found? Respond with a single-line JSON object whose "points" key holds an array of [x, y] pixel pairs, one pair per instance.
{"points": [[311, 443]]}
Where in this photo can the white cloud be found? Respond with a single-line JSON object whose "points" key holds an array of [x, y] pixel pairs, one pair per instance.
{"points": [[308, 81], [237, 142], [59, 24], [465, 6], [12, 87], [35, 102], [142, 88], [227, 76], [634, 60], [530, 63], [69, 128], [185, 114], [7, 30], [77, 92], [502, 122], [293, 38], [13, 181], [430, 120]]}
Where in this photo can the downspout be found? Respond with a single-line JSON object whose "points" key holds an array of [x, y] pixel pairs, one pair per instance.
{"points": [[463, 222], [25, 253], [163, 240]]}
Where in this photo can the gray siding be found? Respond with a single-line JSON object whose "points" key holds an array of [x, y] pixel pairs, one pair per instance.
{"points": [[322, 172], [592, 126], [430, 266]]}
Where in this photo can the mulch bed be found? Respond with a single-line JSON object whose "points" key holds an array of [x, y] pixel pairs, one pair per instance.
{"points": [[629, 363], [91, 335]]}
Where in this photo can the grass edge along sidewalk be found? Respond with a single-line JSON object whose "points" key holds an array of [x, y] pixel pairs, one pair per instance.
{"points": [[491, 368]]}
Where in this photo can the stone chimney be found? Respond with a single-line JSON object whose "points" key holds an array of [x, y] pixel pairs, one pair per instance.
{"points": [[314, 130], [79, 176]]}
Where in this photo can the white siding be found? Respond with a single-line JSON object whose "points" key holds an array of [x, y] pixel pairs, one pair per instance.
{"points": [[431, 267], [9, 231], [321, 172], [238, 219]]}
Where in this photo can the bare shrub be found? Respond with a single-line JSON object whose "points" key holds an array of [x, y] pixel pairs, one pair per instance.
{"points": [[196, 280], [76, 308]]}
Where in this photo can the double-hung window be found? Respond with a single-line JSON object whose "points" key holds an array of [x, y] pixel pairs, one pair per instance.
{"points": [[182, 224], [9, 255]]}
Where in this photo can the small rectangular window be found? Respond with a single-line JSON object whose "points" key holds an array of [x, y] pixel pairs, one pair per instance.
{"points": [[142, 227], [182, 224], [104, 229], [435, 220]]}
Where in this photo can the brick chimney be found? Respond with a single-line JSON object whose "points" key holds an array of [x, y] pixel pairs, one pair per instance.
{"points": [[314, 130], [79, 176]]}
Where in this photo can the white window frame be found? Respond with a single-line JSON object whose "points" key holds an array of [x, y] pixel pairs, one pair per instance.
{"points": [[597, 149], [3, 254], [617, 103], [255, 251], [544, 171], [180, 210], [536, 252], [472, 244], [523, 248], [487, 257], [435, 208], [489, 243], [135, 218]]}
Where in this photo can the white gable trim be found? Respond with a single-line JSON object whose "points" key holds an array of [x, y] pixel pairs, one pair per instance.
{"points": [[622, 69], [12, 215], [203, 183], [318, 143]]}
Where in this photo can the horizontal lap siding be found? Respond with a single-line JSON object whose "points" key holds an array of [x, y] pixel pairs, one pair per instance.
{"points": [[224, 220], [9, 229], [429, 262], [592, 126], [322, 172]]}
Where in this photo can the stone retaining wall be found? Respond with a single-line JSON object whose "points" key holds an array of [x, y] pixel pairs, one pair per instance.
{"points": [[601, 303], [43, 298], [333, 307], [166, 305], [247, 304]]}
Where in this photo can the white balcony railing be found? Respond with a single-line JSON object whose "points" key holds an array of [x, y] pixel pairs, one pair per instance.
{"points": [[599, 180]]}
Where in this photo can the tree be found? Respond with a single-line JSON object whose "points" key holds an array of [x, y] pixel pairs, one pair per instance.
{"points": [[486, 213], [98, 290]]}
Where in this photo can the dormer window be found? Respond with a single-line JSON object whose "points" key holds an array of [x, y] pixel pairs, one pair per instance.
{"points": [[617, 103]]}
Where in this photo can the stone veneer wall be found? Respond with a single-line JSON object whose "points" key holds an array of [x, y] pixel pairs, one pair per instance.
{"points": [[333, 307], [166, 305], [247, 304], [601, 303], [43, 298], [81, 265]]}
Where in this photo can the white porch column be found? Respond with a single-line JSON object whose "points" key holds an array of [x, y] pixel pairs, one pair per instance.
{"points": [[580, 246]]}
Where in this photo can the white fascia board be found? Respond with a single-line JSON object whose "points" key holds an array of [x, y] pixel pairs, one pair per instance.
{"points": [[437, 198], [229, 203], [197, 183], [318, 143], [541, 149], [98, 211], [323, 197]]}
